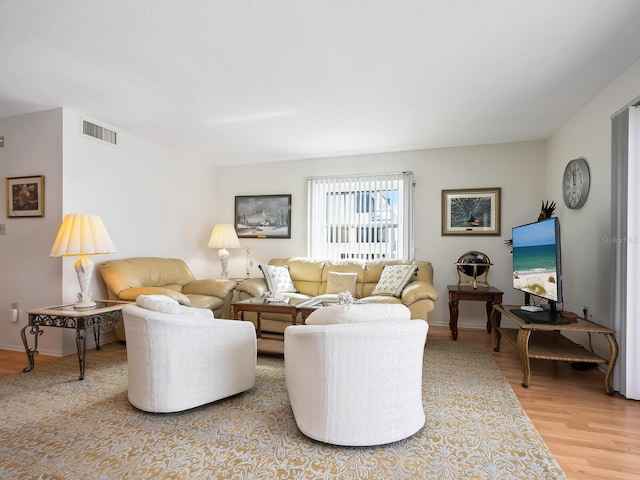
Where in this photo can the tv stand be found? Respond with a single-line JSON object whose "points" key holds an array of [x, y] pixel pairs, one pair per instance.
{"points": [[545, 341]]}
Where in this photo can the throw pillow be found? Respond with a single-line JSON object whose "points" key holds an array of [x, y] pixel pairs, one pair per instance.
{"points": [[359, 313], [164, 304], [393, 279], [277, 278], [338, 282]]}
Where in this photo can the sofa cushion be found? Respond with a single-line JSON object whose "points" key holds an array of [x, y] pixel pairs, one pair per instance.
{"points": [[359, 313], [277, 278], [164, 304], [393, 279], [338, 282]]}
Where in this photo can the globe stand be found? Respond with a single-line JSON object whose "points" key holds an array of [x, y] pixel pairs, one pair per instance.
{"points": [[475, 265]]}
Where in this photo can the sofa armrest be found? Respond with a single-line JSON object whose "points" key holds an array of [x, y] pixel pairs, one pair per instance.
{"points": [[254, 287], [131, 294], [418, 290], [212, 287]]}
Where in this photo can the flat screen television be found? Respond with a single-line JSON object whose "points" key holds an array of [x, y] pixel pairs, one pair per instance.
{"points": [[537, 267]]}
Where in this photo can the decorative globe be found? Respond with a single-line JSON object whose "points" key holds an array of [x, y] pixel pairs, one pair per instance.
{"points": [[466, 261]]}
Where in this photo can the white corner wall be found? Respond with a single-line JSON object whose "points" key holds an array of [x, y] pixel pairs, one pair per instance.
{"points": [[585, 232], [153, 202], [28, 276], [518, 168]]}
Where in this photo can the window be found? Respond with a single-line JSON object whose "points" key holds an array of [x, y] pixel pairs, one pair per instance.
{"points": [[361, 216]]}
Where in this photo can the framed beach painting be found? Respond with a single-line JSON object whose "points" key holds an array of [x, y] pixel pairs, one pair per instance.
{"points": [[473, 211], [25, 196], [263, 216]]}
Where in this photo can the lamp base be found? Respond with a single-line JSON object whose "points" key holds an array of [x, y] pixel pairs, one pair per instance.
{"points": [[84, 270], [224, 259], [85, 305]]}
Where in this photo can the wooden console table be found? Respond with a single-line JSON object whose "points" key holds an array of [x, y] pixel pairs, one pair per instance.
{"points": [[457, 293], [545, 341]]}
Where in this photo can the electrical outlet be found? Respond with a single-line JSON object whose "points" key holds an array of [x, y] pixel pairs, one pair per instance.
{"points": [[3, 229], [588, 313]]}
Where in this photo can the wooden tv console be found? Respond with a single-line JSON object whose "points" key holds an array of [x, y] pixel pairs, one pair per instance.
{"points": [[545, 341]]}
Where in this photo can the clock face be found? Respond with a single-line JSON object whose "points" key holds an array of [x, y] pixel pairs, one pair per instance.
{"points": [[575, 183]]}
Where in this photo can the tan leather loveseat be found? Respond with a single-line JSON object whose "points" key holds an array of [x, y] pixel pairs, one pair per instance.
{"points": [[127, 278], [310, 278]]}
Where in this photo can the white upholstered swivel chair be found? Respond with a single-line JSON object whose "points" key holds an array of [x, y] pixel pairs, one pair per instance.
{"points": [[356, 384], [186, 358]]}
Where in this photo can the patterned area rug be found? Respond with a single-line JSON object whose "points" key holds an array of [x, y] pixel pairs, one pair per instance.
{"points": [[56, 427]]}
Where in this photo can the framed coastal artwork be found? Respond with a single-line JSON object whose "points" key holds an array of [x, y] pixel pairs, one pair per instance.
{"points": [[472, 211], [263, 216], [25, 196]]}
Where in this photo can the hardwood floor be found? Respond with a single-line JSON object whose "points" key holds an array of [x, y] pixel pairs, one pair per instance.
{"points": [[592, 435], [13, 362]]}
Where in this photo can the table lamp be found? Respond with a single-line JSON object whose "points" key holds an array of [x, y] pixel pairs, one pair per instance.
{"points": [[82, 234], [224, 236]]}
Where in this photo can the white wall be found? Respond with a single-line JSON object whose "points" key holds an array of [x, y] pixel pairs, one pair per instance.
{"points": [[28, 276], [586, 253], [518, 168], [153, 203]]}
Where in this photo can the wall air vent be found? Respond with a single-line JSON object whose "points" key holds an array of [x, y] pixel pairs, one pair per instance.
{"points": [[99, 132]]}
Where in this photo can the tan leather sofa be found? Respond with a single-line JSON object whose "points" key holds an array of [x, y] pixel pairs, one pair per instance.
{"points": [[310, 278], [127, 278]]}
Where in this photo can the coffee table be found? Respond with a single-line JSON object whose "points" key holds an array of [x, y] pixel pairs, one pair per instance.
{"points": [[260, 305], [310, 306]]}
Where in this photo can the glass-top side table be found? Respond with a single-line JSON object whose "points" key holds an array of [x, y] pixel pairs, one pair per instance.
{"points": [[106, 313]]}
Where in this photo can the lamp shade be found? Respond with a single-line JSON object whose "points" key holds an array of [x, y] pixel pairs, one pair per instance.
{"points": [[82, 234], [224, 236]]}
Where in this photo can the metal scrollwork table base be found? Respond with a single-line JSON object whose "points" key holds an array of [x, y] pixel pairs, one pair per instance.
{"points": [[105, 314]]}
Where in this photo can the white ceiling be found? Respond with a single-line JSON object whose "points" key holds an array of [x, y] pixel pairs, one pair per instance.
{"points": [[244, 81]]}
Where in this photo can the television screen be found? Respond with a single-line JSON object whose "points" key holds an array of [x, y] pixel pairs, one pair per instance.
{"points": [[537, 265]]}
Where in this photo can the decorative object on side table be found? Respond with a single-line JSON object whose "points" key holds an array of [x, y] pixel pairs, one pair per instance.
{"points": [[473, 211], [345, 298], [25, 196], [223, 236], [276, 297], [248, 263], [82, 234], [473, 264]]}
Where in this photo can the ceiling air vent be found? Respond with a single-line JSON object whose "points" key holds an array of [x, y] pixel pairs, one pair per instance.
{"points": [[99, 133]]}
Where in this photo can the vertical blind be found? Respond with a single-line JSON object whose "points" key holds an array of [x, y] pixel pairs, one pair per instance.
{"points": [[361, 216], [625, 253]]}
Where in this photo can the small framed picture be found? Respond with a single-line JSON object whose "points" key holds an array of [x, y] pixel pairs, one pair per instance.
{"points": [[263, 216], [25, 196], [473, 211]]}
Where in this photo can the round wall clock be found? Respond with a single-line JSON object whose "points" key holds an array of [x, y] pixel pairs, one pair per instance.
{"points": [[575, 183]]}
